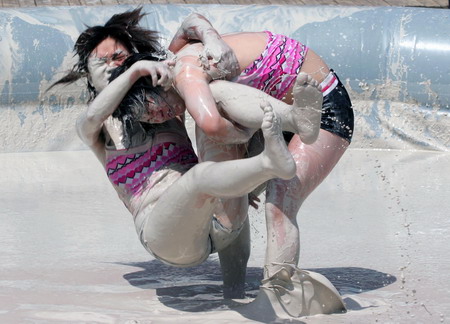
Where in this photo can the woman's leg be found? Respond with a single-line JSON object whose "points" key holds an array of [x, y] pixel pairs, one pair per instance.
{"points": [[178, 228], [233, 262], [303, 116], [236, 178], [242, 103], [285, 197], [231, 214]]}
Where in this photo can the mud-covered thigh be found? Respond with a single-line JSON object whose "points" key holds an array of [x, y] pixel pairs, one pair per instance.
{"points": [[175, 224]]}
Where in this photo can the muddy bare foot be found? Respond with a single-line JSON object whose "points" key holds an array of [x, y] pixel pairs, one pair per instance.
{"points": [[278, 159], [307, 107]]}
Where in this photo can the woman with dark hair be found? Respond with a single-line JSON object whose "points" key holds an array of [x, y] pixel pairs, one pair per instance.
{"points": [[124, 29]]}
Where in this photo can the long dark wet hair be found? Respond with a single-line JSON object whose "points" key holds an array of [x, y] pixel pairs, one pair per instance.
{"points": [[125, 29], [135, 103]]}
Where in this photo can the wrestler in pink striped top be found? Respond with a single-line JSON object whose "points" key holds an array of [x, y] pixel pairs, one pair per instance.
{"points": [[131, 171]]}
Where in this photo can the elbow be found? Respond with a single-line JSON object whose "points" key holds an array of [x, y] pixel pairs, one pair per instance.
{"points": [[88, 128], [213, 128], [90, 118]]}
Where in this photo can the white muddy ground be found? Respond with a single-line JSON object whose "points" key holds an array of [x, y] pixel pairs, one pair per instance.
{"points": [[377, 228]]}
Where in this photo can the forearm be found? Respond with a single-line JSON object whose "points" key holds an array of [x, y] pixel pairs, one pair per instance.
{"points": [[109, 99], [194, 27], [90, 122], [201, 105]]}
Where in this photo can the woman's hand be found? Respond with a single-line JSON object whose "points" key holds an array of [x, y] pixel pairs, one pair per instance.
{"points": [[90, 123], [216, 51], [221, 56], [160, 72], [253, 200]]}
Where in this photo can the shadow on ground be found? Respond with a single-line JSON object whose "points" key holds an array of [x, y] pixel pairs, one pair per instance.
{"points": [[199, 289]]}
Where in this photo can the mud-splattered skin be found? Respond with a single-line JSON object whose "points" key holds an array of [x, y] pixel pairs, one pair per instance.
{"points": [[284, 198], [108, 55]]}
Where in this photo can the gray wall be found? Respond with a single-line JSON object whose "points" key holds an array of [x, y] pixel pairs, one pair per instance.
{"points": [[395, 63]]}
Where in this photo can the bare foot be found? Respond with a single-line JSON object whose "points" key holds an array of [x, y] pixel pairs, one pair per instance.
{"points": [[307, 107], [278, 159]]}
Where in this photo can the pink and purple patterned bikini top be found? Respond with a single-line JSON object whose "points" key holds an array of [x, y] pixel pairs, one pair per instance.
{"points": [[277, 67], [131, 171]]}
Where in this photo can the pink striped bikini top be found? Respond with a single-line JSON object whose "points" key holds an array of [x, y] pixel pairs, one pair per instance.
{"points": [[277, 67], [130, 170]]}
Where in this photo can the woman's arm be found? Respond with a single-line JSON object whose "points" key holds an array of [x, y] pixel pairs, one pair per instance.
{"points": [[192, 83], [197, 27], [90, 122]]}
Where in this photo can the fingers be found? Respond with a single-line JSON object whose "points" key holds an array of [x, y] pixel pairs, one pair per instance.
{"points": [[215, 57], [170, 62], [160, 73], [253, 204], [222, 56], [265, 105], [165, 78], [213, 52], [233, 64], [154, 76], [253, 200], [204, 58]]}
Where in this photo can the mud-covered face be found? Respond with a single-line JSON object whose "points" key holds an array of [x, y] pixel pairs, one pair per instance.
{"points": [[108, 55]]}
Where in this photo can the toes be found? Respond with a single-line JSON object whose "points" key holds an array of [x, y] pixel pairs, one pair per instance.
{"points": [[268, 110], [309, 79], [266, 106], [319, 87], [269, 116], [302, 78]]}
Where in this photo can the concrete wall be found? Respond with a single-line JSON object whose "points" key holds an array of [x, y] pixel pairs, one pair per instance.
{"points": [[395, 63]]}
